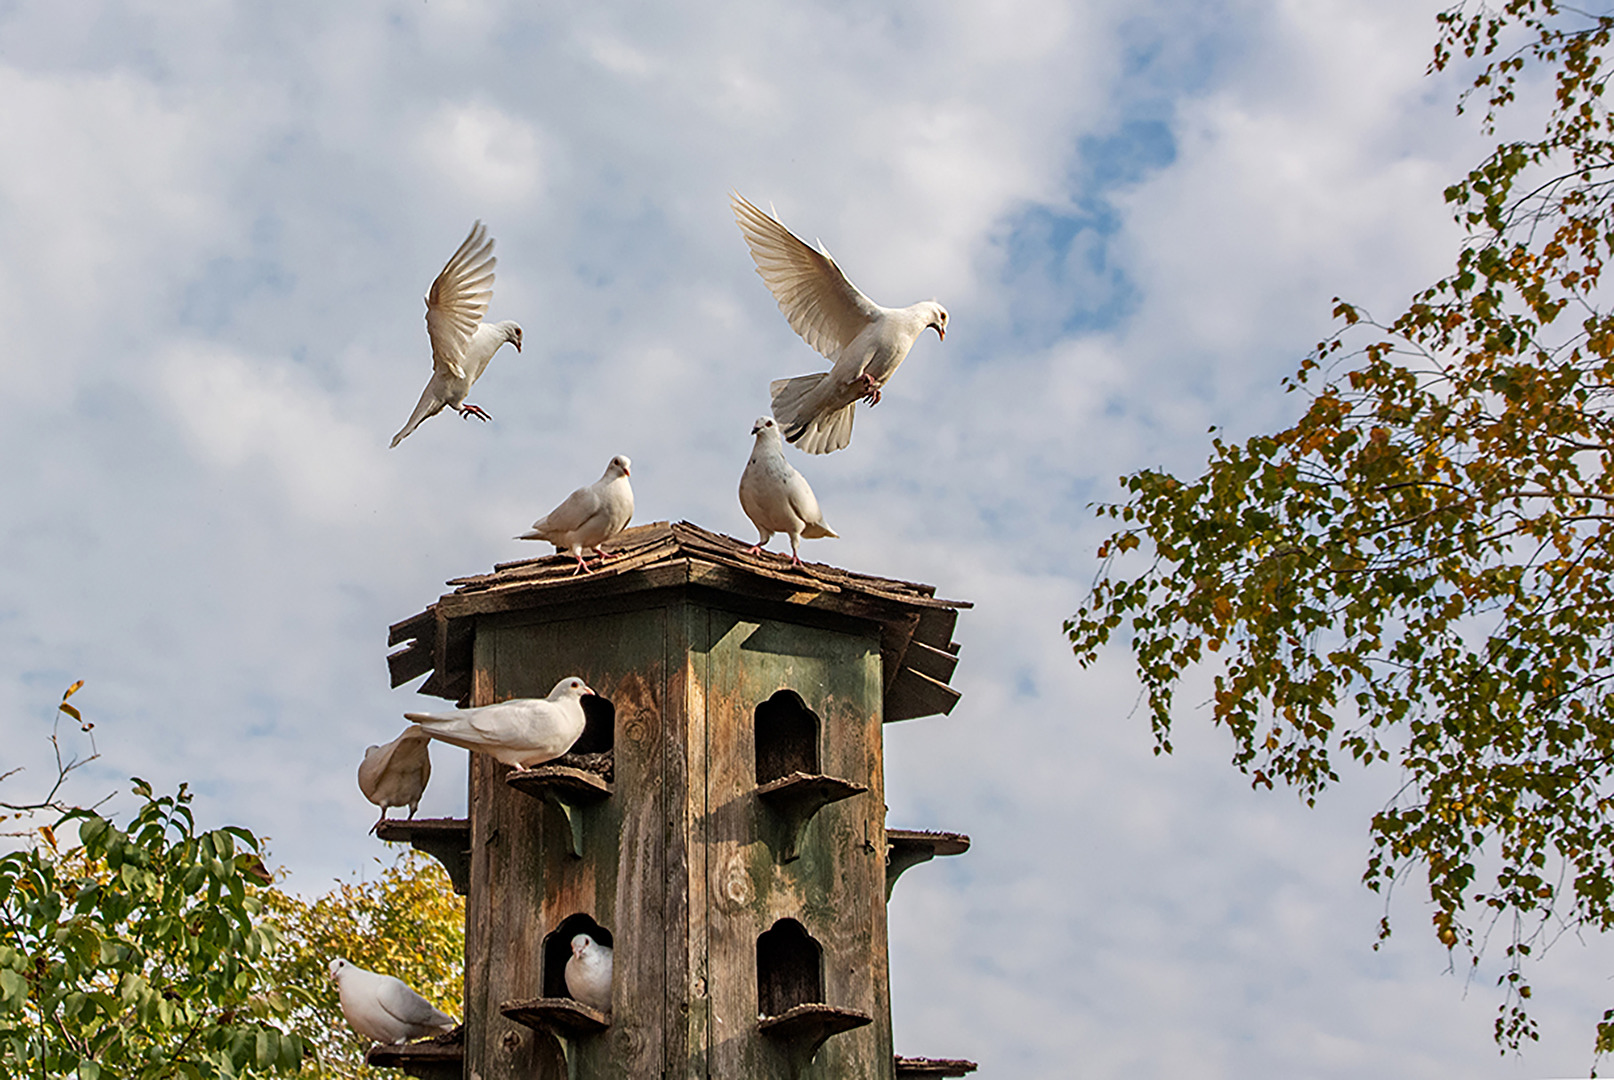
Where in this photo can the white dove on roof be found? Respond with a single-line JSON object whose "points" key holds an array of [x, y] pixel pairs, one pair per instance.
{"points": [[590, 515], [775, 496]]}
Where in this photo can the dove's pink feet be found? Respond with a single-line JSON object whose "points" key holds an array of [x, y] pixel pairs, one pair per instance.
{"points": [[582, 565], [468, 411], [754, 549], [871, 391]]}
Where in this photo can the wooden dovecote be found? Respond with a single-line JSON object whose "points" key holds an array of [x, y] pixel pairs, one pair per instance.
{"points": [[721, 823]]}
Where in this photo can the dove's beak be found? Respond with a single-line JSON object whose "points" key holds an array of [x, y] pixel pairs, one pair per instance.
{"points": [[941, 333], [517, 344]]}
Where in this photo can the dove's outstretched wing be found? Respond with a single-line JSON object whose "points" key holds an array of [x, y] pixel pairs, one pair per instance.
{"points": [[826, 309], [458, 299]]}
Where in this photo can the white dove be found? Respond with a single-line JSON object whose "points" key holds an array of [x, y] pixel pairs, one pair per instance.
{"points": [[383, 1008], [522, 731], [396, 774], [590, 515], [588, 973], [775, 496], [462, 344], [863, 341]]}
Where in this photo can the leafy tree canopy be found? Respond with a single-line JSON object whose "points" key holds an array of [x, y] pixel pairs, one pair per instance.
{"points": [[1418, 570], [140, 953]]}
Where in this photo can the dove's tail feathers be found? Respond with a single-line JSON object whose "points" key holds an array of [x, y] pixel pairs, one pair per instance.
{"points": [[818, 531], [797, 406], [826, 432], [793, 402], [428, 406]]}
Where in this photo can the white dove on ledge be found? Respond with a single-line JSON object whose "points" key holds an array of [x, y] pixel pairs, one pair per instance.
{"points": [[396, 773], [522, 731], [383, 1008]]}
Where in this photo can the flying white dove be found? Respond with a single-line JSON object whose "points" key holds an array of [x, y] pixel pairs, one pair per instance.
{"points": [[590, 515], [588, 973], [775, 496], [522, 731], [863, 341], [462, 344], [383, 1008], [396, 774]]}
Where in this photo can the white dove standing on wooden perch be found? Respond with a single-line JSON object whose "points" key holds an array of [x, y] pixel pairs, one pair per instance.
{"points": [[588, 973], [462, 344], [522, 731], [775, 496], [383, 1008], [863, 341], [590, 515], [396, 774]]}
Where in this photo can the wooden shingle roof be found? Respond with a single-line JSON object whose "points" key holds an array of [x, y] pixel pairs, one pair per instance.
{"points": [[917, 650]]}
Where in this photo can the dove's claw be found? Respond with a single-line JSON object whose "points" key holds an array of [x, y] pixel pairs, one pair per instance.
{"points": [[468, 411], [871, 392], [755, 549]]}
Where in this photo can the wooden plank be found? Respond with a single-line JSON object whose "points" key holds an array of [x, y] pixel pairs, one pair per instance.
{"points": [[928, 660], [913, 695], [409, 663], [413, 628]]}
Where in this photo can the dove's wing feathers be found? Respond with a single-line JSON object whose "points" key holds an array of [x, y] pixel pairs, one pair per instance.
{"points": [[458, 299], [804, 504], [822, 306], [570, 516], [408, 1007]]}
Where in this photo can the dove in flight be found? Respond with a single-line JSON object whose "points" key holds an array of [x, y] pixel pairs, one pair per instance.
{"points": [[590, 515], [522, 731], [775, 496], [588, 973], [462, 344], [383, 1008], [863, 341], [396, 774]]}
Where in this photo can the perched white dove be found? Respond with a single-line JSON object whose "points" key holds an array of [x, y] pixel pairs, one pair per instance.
{"points": [[588, 973], [396, 774], [863, 341], [522, 731], [590, 515], [383, 1008], [462, 344], [775, 496]]}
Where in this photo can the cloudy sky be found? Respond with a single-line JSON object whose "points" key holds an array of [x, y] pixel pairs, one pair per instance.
{"points": [[216, 224]]}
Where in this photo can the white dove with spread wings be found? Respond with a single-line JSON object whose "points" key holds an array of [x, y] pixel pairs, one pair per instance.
{"points": [[462, 344], [863, 341]]}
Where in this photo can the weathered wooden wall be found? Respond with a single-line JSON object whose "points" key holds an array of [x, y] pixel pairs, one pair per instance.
{"points": [[682, 862]]}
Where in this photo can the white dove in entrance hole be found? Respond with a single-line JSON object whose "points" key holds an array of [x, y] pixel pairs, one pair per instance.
{"points": [[462, 344], [863, 341], [588, 973]]}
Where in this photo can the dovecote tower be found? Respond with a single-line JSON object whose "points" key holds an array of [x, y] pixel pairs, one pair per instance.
{"points": [[720, 824]]}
